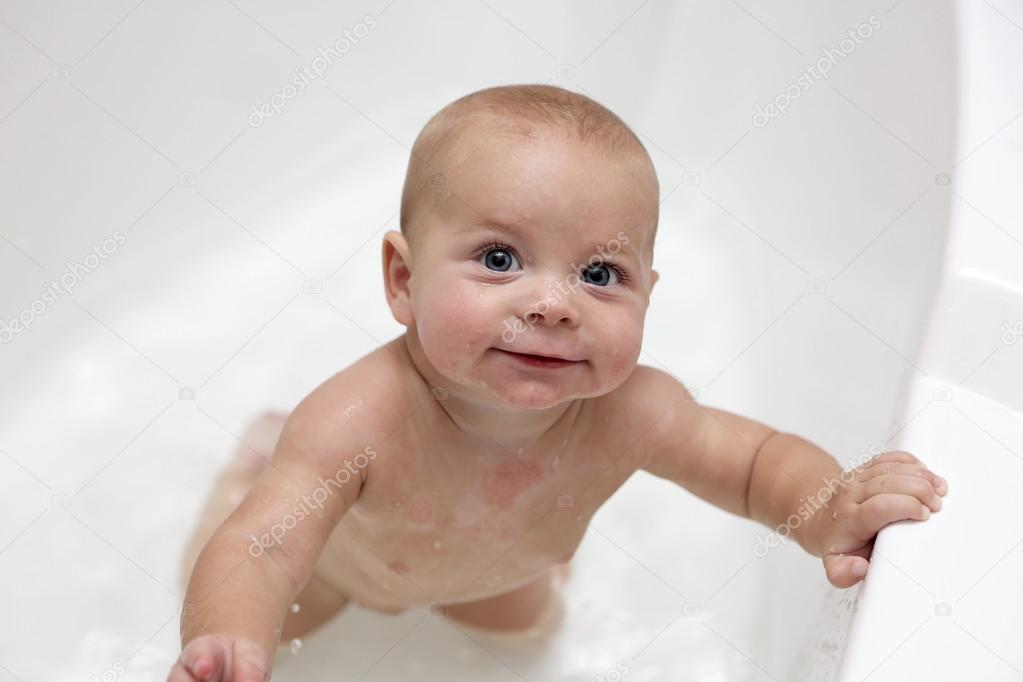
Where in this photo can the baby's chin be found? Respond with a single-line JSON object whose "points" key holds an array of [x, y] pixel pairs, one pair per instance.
{"points": [[530, 394]]}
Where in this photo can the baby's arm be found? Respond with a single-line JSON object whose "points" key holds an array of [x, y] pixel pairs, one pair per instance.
{"points": [[781, 479], [244, 580]]}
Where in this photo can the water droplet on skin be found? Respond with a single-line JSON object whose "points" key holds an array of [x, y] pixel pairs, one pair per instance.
{"points": [[296, 644], [295, 608], [352, 407], [436, 544]]}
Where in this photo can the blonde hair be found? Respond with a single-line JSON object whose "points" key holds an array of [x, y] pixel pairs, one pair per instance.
{"points": [[515, 109]]}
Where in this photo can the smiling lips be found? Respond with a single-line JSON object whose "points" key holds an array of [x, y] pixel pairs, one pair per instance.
{"points": [[543, 361]]}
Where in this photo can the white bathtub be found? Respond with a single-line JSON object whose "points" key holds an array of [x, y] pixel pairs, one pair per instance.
{"points": [[804, 272], [942, 601]]}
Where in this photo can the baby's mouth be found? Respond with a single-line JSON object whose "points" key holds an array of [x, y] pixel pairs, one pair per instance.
{"points": [[542, 361]]}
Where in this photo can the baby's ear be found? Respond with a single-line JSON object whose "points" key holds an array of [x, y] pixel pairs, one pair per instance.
{"points": [[397, 273]]}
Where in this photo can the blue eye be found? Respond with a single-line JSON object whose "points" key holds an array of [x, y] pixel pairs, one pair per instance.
{"points": [[600, 274], [498, 258]]}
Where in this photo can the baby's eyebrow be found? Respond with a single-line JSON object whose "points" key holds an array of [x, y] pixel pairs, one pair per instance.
{"points": [[482, 223]]}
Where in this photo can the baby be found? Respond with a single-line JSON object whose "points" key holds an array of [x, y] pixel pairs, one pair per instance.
{"points": [[458, 465]]}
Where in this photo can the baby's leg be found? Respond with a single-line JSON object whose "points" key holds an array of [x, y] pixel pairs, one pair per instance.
{"points": [[318, 602], [533, 611]]}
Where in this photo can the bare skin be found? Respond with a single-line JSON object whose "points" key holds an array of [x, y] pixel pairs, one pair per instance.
{"points": [[477, 530], [473, 523], [485, 469]]}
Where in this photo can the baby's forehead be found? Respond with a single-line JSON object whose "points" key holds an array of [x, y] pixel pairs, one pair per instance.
{"points": [[490, 166], [537, 177]]}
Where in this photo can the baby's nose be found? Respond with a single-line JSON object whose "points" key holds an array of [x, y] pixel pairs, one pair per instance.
{"points": [[554, 305]]}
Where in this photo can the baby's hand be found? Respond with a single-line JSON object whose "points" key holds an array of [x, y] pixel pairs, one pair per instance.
{"points": [[216, 658], [893, 486]]}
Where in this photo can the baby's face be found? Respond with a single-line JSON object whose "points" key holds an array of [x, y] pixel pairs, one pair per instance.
{"points": [[538, 246]]}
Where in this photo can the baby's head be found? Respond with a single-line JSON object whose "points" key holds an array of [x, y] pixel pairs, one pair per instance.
{"points": [[527, 224]]}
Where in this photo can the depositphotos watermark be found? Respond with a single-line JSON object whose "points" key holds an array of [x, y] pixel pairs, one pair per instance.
{"points": [[811, 506], [615, 674], [315, 500], [112, 673], [1012, 332], [811, 73], [56, 288], [311, 71], [573, 282]]}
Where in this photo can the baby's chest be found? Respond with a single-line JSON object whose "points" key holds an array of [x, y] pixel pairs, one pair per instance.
{"points": [[478, 504], [471, 534]]}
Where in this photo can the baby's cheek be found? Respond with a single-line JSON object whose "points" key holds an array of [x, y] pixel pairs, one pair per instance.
{"points": [[455, 328], [619, 367], [623, 350]]}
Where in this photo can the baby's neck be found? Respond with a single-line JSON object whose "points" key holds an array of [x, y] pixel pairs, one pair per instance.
{"points": [[512, 429]]}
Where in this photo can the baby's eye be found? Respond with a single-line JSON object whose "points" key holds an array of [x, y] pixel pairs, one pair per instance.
{"points": [[498, 258], [600, 274]]}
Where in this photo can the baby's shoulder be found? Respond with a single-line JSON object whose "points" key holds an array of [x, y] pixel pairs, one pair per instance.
{"points": [[646, 389], [364, 402], [640, 405]]}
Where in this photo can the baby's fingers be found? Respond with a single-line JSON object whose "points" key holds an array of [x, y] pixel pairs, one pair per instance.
{"points": [[891, 468], [180, 674], [918, 487], [251, 664], [202, 659], [845, 570], [880, 510], [894, 456]]}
